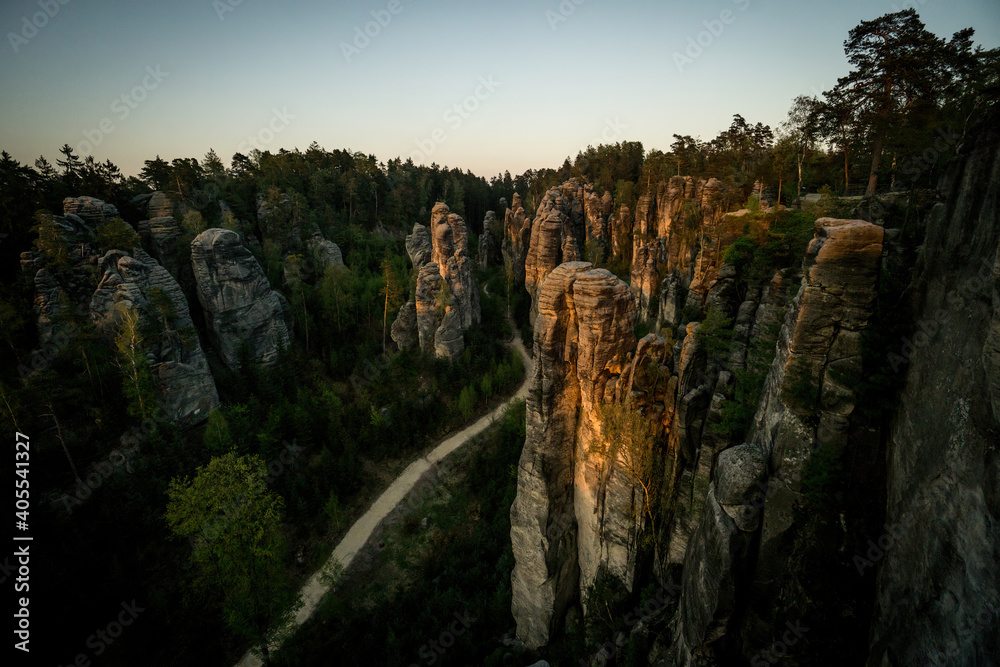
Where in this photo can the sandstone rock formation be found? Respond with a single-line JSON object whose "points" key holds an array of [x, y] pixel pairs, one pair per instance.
{"points": [[645, 278], [240, 307], [582, 331], [90, 209], [558, 234], [487, 250], [446, 297], [160, 205], [161, 235], [805, 408], [517, 238], [324, 252], [186, 391], [938, 586]]}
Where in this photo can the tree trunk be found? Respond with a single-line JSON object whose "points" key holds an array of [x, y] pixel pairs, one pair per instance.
{"points": [[876, 160], [798, 192], [846, 182]]}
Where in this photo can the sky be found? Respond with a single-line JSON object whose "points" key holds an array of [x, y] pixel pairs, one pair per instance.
{"points": [[482, 86]]}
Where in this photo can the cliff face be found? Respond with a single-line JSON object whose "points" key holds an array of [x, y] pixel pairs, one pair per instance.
{"points": [[803, 412], [938, 586], [582, 331], [240, 307], [446, 298], [185, 388], [517, 238], [558, 234]]}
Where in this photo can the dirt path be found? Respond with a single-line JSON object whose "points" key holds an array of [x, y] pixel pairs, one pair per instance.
{"points": [[314, 589]]}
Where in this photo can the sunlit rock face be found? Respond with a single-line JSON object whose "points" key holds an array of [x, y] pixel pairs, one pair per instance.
{"points": [[241, 309], [446, 298], [582, 331], [558, 234]]}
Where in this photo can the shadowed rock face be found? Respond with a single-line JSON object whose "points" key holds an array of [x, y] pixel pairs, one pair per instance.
{"points": [[240, 306], [517, 238], [91, 210], [185, 388], [645, 265], [160, 205], [582, 331], [820, 343], [938, 586], [446, 297], [160, 236]]}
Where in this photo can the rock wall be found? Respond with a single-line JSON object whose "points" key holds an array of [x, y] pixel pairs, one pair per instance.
{"points": [[186, 391], [446, 298], [938, 585], [805, 407], [558, 234], [582, 331], [240, 306], [517, 238]]}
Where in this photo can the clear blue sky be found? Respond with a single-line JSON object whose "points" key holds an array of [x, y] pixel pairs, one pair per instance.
{"points": [[606, 72]]}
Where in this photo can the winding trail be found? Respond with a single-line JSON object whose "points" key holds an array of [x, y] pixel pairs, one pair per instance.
{"points": [[314, 589]]}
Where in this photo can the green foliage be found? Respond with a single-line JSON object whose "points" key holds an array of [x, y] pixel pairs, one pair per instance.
{"points": [[217, 438], [193, 223], [233, 523], [716, 333], [116, 234]]}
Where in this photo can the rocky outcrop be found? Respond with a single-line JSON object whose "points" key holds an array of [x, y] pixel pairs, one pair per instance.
{"points": [[805, 408], [324, 252], [446, 297], [582, 332], [91, 210], [160, 205], [620, 228], [645, 278], [186, 392], [517, 238], [241, 309], [938, 585], [558, 234], [160, 236], [718, 556], [488, 249]]}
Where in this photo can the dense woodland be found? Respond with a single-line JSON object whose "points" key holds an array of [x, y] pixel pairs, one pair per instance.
{"points": [[343, 402]]}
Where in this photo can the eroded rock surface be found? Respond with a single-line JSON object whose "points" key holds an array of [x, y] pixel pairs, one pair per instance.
{"points": [[446, 298], [241, 309], [186, 391]]}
